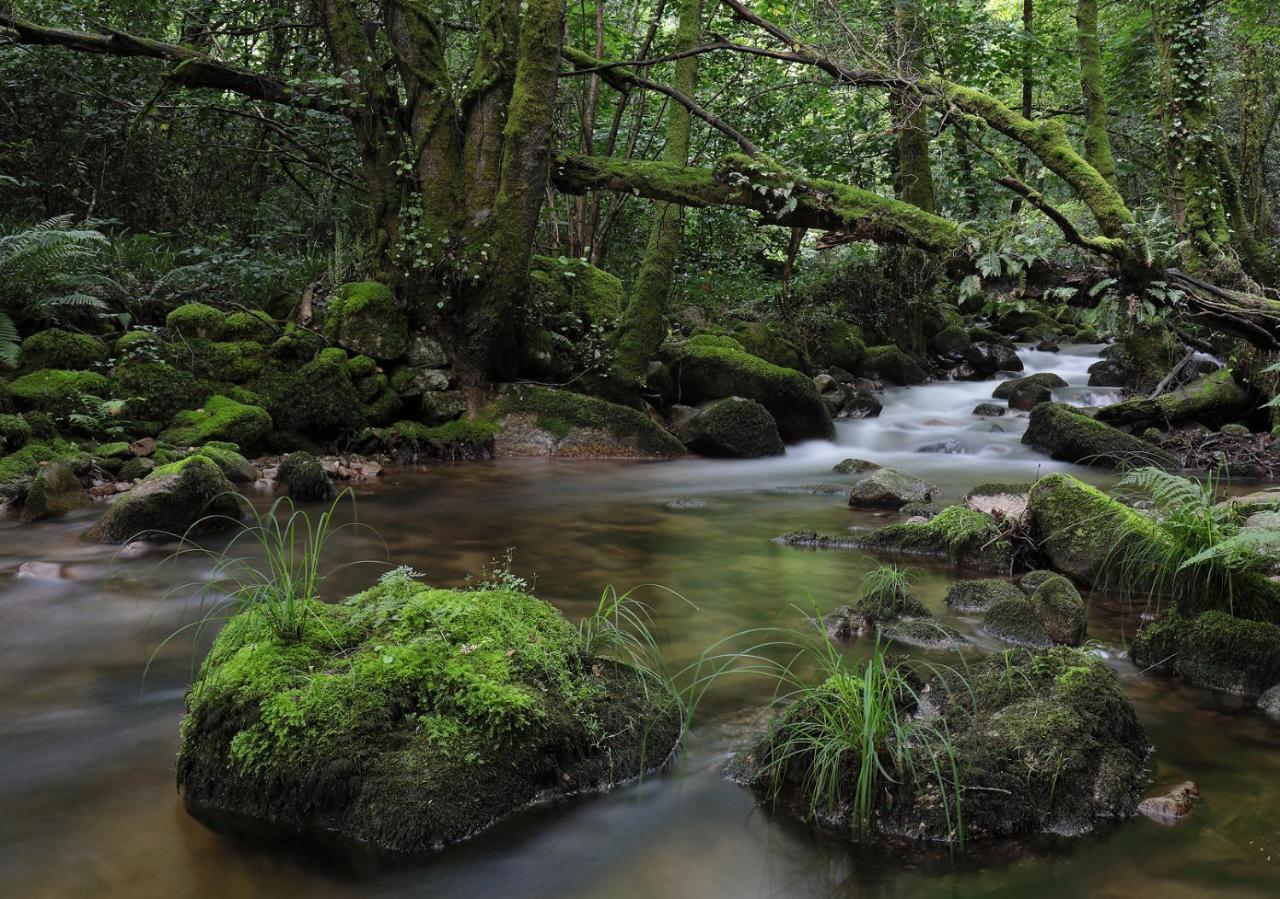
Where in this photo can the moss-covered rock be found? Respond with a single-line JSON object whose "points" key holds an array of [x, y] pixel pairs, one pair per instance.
{"points": [[234, 467], [156, 391], [18, 468], [1024, 393], [854, 466], [1067, 434], [409, 717], [141, 345], [305, 478], [891, 488], [538, 421], [1214, 399], [236, 362], [952, 340], [1213, 650], [221, 418], [1014, 620], [562, 285], [1139, 359], [1041, 742], [255, 325], [183, 498], [67, 350], [55, 491], [838, 344], [980, 594], [734, 428], [136, 469], [966, 538], [1060, 610], [318, 399], [14, 433], [889, 363], [363, 317], [771, 344], [196, 321], [59, 392], [296, 344], [711, 372]]}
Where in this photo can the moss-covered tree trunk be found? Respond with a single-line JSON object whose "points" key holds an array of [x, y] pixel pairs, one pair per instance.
{"points": [[914, 182], [1097, 140], [644, 321]]}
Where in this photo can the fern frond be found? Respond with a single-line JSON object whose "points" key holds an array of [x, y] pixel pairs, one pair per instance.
{"points": [[1247, 548], [9, 342]]}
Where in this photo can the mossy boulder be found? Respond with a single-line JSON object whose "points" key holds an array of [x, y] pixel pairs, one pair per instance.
{"points": [[196, 321], [952, 340], [255, 325], [408, 717], [966, 538], [296, 344], [980, 594], [67, 350], [838, 344], [18, 468], [319, 398], [236, 362], [305, 478], [734, 428], [221, 418], [889, 363], [55, 491], [156, 391], [563, 286], [183, 498], [1015, 621], [1042, 742], [1214, 399], [141, 345], [705, 371], [1024, 393], [895, 614], [14, 433], [771, 344], [1213, 650], [363, 317], [235, 467], [1069, 435], [539, 421], [1060, 610], [59, 392], [891, 488]]}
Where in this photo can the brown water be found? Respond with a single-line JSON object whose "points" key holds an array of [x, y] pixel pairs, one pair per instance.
{"points": [[87, 798]]}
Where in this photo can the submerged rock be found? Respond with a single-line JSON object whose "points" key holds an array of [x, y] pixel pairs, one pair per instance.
{"points": [[1042, 742], [1171, 807], [181, 498], [1214, 650], [891, 488], [734, 428], [408, 717]]}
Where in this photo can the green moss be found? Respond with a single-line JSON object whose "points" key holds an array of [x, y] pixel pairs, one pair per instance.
{"points": [[363, 317], [156, 391], [141, 346], [572, 286], [1046, 379], [734, 428], [58, 392], [19, 466], [14, 433], [1216, 398], [952, 340], [892, 364], [715, 372], [479, 429], [361, 367], [257, 326], [1067, 434], [408, 716], [769, 343], [55, 491], [1213, 650], [305, 478], [722, 341], [319, 398], [186, 497], [979, 595], [297, 344], [561, 412], [196, 321], [1014, 620], [136, 469], [234, 362], [221, 419], [838, 344], [118, 449], [1059, 609], [382, 408], [67, 350], [234, 467]]}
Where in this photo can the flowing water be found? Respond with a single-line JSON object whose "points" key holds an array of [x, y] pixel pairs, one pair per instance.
{"points": [[87, 798]]}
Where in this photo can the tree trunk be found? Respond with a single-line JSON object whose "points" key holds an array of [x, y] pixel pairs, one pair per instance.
{"points": [[644, 321], [1028, 86], [914, 183], [1097, 141]]}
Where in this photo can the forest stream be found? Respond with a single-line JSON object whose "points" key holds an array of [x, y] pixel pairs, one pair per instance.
{"points": [[87, 745]]}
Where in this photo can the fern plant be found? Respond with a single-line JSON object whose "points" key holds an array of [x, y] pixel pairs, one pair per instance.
{"points": [[9, 343], [48, 270]]}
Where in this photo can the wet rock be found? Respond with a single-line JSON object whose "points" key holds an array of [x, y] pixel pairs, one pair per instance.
{"points": [[45, 571], [1060, 610], [1071, 436], [826, 384], [889, 363], [1106, 373], [537, 421], [1215, 399], [182, 498], [143, 447], [1047, 346], [860, 404], [1015, 621], [952, 340], [135, 550], [924, 633], [136, 469], [890, 488], [985, 359], [1033, 579], [306, 478], [55, 491], [854, 466], [734, 428], [1214, 650], [1024, 393], [686, 503], [423, 352], [980, 594], [680, 415], [1170, 807], [1269, 703], [951, 447], [989, 410], [921, 511]]}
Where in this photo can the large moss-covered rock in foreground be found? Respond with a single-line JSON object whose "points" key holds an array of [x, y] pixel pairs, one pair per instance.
{"points": [[222, 419], [1213, 650], [706, 371], [409, 717], [1041, 741], [1071, 436], [364, 318], [734, 428], [182, 498], [538, 421]]}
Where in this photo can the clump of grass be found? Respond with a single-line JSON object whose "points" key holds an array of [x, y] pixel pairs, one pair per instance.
{"points": [[1206, 548]]}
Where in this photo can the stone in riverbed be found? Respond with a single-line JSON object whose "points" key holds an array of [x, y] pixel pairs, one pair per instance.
{"points": [[1173, 806], [1071, 436], [854, 466], [980, 594], [890, 488], [375, 723], [304, 476], [734, 428], [55, 492], [538, 421], [989, 410], [1024, 393], [1214, 650], [1269, 703], [183, 498]]}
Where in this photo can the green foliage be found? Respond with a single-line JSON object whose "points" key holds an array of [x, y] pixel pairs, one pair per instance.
{"points": [[48, 269]]}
